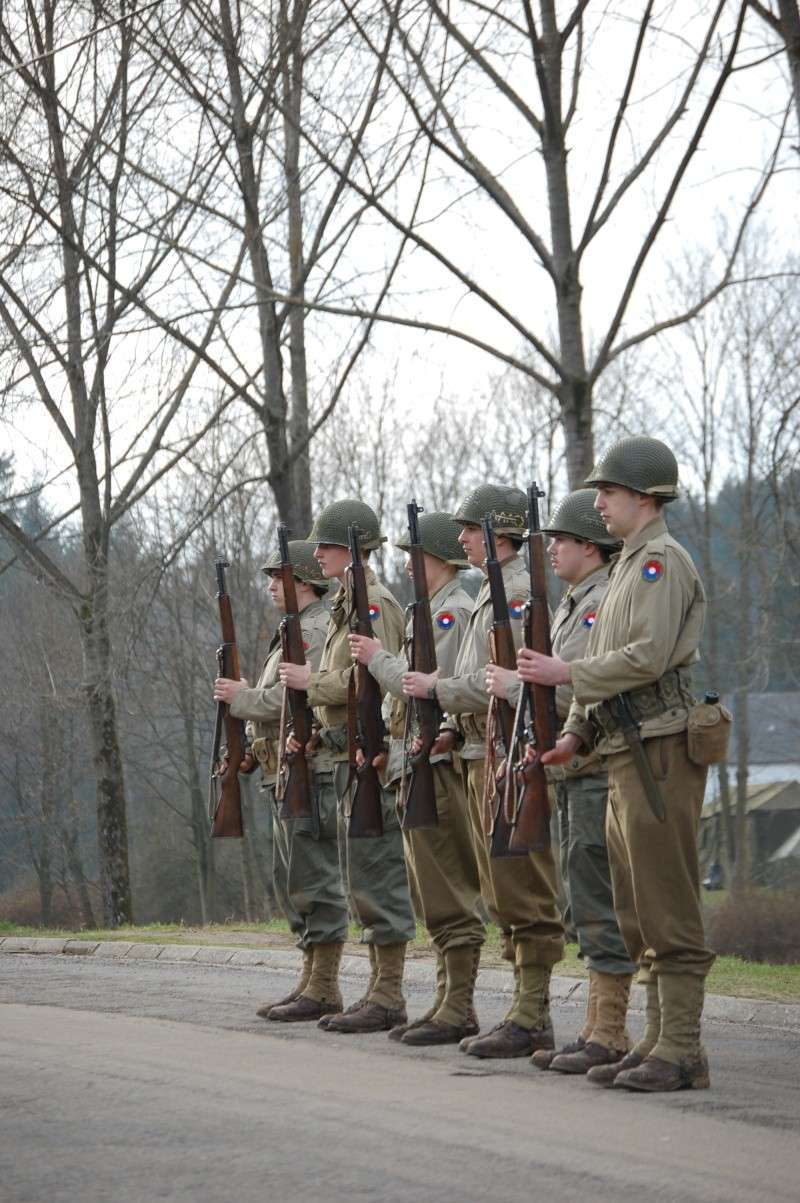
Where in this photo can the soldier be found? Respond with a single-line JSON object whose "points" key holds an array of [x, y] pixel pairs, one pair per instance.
{"points": [[580, 549], [305, 856], [519, 891], [440, 860], [374, 868], [633, 685]]}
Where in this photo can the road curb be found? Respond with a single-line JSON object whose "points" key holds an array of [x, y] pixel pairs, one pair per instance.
{"points": [[419, 971]]}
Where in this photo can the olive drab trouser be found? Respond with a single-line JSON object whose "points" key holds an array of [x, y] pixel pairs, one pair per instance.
{"points": [[654, 866], [374, 870], [309, 869], [519, 891], [280, 864], [581, 807], [443, 870]]}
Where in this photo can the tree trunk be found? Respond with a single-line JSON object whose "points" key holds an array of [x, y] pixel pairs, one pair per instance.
{"points": [[292, 64], [44, 867], [273, 413], [574, 393], [112, 833], [790, 28], [112, 827]]}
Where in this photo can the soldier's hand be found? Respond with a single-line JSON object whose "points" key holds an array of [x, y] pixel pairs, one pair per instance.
{"points": [[499, 679], [363, 648], [445, 742], [565, 749], [536, 669], [248, 765], [294, 676], [293, 745], [225, 689], [418, 685], [378, 762]]}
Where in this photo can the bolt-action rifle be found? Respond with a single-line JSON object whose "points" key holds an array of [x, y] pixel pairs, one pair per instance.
{"points": [[224, 791], [504, 654], [293, 789], [423, 715], [365, 729], [526, 805]]}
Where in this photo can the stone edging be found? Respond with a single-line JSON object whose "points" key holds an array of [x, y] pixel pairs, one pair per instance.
{"points": [[719, 1007]]}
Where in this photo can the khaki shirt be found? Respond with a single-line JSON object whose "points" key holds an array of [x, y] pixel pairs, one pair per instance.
{"points": [[649, 622], [327, 692], [463, 696], [261, 705], [451, 607], [569, 635]]}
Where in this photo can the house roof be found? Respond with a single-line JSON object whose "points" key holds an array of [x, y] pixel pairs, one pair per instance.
{"points": [[790, 847], [774, 728], [774, 795]]}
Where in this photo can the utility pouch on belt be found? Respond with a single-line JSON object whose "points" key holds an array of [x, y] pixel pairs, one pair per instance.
{"points": [[266, 753], [708, 731]]}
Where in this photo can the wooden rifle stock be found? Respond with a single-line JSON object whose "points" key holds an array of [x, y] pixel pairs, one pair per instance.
{"points": [[504, 654], [365, 721], [419, 793], [225, 795], [294, 779], [531, 814]]}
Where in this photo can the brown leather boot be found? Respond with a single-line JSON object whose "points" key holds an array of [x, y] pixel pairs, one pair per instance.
{"points": [[322, 995], [397, 1033], [543, 1057], [508, 1039], [609, 1041], [369, 1017], [455, 1018], [385, 1006], [678, 1060], [656, 1076], [305, 973], [604, 1075], [359, 1003]]}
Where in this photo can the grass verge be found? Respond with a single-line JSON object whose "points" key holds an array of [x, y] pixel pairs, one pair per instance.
{"points": [[730, 975]]}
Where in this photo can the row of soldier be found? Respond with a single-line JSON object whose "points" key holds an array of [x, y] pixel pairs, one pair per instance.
{"points": [[628, 624]]}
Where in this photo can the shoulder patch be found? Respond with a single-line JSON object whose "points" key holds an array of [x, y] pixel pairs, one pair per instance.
{"points": [[306, 645], [374, 611], [588, 619], [652, 570], [515, 607], [445, 620]]}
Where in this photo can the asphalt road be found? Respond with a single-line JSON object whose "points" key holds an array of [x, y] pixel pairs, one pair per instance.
{"points": [[131, 1082]]}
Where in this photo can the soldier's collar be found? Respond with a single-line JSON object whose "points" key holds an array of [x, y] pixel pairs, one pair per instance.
{"points": [[447, 588], [657, 527], [586, 582], [313, 606]]}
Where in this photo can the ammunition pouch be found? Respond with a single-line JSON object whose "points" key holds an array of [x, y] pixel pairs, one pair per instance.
{"points": [[397, 719], [672, 692], [266, 753], [708, 733], [472, 727]]}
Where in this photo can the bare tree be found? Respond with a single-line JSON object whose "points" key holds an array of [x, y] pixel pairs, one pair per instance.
{"points": [[256, 77], [86, 256], [540, 83]]}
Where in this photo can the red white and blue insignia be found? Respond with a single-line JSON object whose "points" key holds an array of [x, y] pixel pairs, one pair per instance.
{"points": [[515, 607], [374, 611], [445, 620], [588, 619], [653, 570]]}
